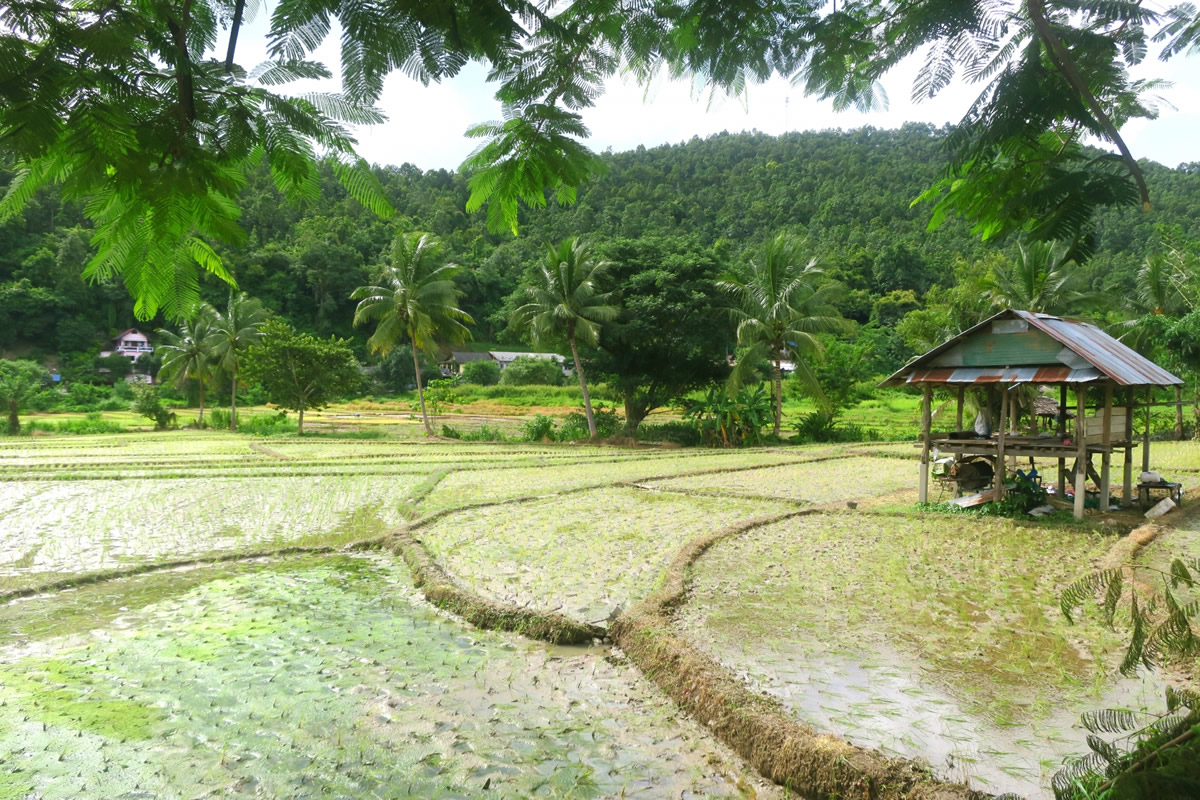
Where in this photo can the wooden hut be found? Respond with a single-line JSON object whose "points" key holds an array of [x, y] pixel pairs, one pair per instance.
{"points": [[1018, 348]]}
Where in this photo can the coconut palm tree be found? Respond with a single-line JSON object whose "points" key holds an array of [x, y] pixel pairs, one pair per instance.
{"points": [[562, 300], [415, 301], [1040, 279], [781, 303], [189, 354], [234, 330]]}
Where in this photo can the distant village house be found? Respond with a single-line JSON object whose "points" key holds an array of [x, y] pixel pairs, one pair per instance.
{"points": [[131, 344], [453, 365]]}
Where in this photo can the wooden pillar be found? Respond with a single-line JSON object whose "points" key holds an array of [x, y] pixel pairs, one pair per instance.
{"points": [[1080, 450], [1062, 434], [1106, 456], [1000, 436], [1146, 436], [1178, 414], [1014, 413], [1127, 488], [926, 417], [958, 416]]}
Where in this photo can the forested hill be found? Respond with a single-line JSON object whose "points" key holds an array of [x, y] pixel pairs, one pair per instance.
{"points": [[850, 191]]}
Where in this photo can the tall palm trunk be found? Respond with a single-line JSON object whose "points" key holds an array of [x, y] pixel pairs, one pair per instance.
{"points": [[587, 398], [420, 389], [200, 418], [300, 424], [777, 381], [233, 405]]}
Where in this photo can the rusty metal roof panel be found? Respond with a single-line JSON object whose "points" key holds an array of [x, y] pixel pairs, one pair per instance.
{"points": [[1104, 355], [1115, 359], [1004, 375]]}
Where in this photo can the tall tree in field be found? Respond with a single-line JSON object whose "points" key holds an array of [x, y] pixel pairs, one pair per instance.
{"points": [[19, 380], [415, 301], [562, 300], [781, 302], [668, 339], [1040, 279], [300, 371], [236, 328], [190, 354]]}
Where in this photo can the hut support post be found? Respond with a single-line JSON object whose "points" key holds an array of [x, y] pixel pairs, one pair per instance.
{"points": [[1081, 450], [1146, 436], [1003, 427], [1127, 488], [926, 417], [1062, 433], [958, 415], [1106, 457], [1178, 414]]}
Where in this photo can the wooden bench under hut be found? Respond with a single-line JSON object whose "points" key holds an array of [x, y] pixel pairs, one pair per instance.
{"points": [[1008, 363]]}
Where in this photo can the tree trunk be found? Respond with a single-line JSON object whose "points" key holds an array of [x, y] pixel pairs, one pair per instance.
{"points": [[777, 382], [200, 419], [420, 389], [635, 412], [14, 421], [233, 405], [587, 399], [300, 425]]}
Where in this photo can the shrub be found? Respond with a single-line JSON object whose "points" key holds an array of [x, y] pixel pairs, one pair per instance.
{"points": [[538, 429], [147, 403], [90, 424], [218, 418], [485, 434], [821, 426], [681, 433], [86, 397], [724, 421], [44, 400], [527, 370], [267, 424], [608, 424], [481, 373], [451, 433]]}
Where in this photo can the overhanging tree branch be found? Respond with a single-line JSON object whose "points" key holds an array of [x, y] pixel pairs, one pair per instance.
{"points": [[1061, 58]]}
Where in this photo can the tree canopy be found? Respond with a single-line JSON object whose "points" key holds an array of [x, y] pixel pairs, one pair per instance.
{"points": [[299, 371], [145, 112]]}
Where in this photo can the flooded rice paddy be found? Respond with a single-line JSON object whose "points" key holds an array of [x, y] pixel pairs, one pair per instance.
{"points": [[323, 677], [931, 639], [329, 676]]}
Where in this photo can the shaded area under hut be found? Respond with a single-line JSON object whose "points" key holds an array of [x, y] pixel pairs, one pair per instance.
{"points": [[1010, 365]]}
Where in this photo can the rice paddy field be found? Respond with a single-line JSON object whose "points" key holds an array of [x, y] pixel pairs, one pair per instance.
{"points": [[239, 671]]}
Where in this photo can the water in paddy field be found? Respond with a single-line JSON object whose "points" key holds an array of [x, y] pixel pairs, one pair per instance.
{"points": [[321, 677]]}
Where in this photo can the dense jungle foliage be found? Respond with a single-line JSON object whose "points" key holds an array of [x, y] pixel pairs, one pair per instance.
{"points": [[718, 199]]}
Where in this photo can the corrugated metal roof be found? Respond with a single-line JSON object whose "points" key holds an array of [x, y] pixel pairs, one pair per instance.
{"points": [[1004, 375], [1116, 360], [1110, 357]]}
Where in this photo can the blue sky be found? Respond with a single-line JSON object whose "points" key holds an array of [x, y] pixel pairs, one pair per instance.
{"points": [[426, 124]]}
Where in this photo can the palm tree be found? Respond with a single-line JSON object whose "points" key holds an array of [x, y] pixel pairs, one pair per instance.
{"points": [[416, 301], [781, 303], [563, 300], [1039, 280], [233, 331], [189, 354]]}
